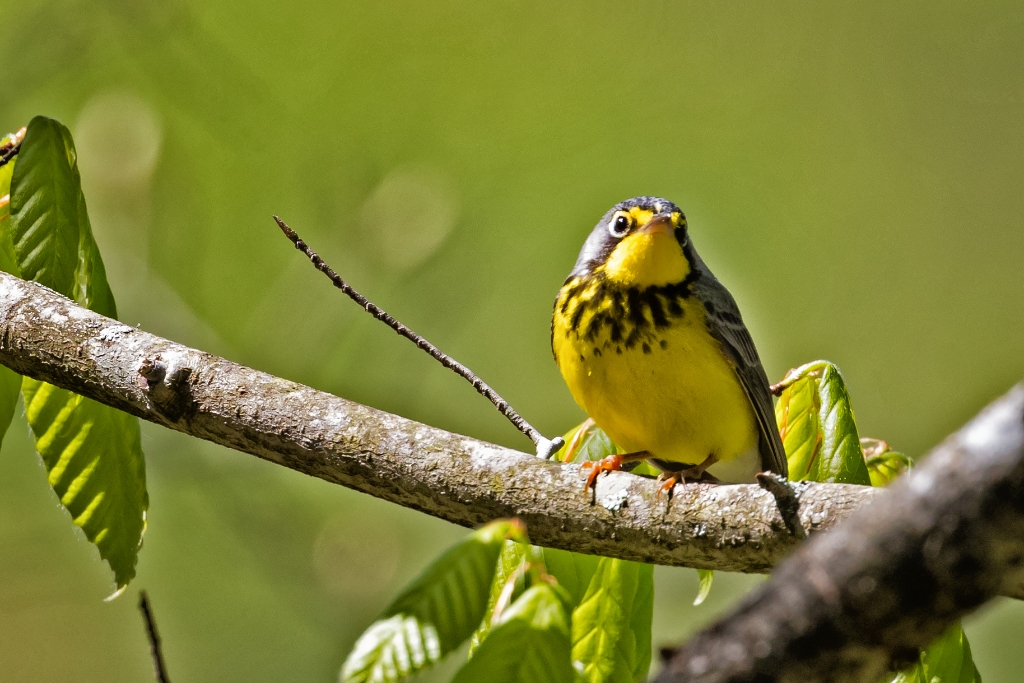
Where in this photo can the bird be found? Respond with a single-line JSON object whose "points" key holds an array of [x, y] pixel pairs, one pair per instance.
{"points": [[653, 348]]}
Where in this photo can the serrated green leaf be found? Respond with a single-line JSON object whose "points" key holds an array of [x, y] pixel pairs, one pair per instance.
{"points": [[610, 626], [826, 449], [435, 613], [706, 578], [530, 643], [947, 660], [93, 453]]}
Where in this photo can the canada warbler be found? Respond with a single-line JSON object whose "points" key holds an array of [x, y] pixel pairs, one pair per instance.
{"points": [[653, 348]]}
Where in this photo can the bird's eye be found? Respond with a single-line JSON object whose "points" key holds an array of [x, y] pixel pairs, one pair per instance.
{"points": [[620, 225]]}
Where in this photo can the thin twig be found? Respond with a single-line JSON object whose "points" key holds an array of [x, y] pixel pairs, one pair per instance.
{"points": [[154, 639], [545, 447]]}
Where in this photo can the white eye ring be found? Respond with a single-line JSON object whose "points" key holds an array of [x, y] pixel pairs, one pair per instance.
{"points": [[620, 225]]}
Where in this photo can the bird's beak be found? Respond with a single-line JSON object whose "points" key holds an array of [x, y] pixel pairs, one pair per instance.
{"points": [[659, 223]]}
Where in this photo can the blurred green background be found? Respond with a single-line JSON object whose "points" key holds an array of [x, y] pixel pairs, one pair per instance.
{"points": [[852, 171]]}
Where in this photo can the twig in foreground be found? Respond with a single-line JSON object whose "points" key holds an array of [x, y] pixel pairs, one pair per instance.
{"points": [[154, 639], [545, 447]]}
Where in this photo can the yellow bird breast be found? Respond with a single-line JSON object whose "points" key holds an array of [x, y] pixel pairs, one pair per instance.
{"points": [[644, 366]]}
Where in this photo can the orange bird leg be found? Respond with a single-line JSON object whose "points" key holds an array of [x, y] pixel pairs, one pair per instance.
{"points": [[612, 463]]}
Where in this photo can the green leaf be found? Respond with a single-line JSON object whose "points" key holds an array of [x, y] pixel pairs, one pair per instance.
{"points": [[611, 626], [826, 449], [841, 461], [574, 571], [93, 453], [530, 643], [947, 660], [796, 413], [46, 205], [93, 461], [641, 623], [435, 614], [706, 577], [511, 562], [612, 604]]}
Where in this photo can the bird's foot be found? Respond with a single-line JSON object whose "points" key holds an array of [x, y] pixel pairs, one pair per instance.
{"points": [[612, 463], [668, 482]]}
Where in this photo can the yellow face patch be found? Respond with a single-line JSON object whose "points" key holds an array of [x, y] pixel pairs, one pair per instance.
{"points": [[647, 259], [640, 216]]}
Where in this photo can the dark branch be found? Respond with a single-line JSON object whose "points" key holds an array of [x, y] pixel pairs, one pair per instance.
{"points": [[856, 602], [459, 479], [154, 639], [545, 447]]}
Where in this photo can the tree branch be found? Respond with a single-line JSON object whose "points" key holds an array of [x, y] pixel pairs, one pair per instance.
{"points": [[733, 528], [859, 601]]}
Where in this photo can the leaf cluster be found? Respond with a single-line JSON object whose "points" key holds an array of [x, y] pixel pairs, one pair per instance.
{"points": [[531, 614]]}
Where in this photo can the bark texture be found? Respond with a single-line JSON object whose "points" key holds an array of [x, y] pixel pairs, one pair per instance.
{"points": [[860, 600], [462, 480]]}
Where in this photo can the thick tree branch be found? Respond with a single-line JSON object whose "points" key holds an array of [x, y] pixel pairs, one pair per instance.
{"points": [[862, 598], [459, 479]]}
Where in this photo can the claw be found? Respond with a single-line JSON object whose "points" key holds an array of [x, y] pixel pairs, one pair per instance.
{"points": [[612, 463], [668, 484]]}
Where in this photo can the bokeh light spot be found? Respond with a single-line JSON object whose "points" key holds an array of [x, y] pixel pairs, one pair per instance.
{"points": [[118, 137], [409, 214]]}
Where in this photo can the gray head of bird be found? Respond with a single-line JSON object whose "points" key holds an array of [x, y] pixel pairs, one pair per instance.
{"points": [[641, 242]]}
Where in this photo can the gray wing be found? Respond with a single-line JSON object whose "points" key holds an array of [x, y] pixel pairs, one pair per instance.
{"points": [[727, 326]]}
